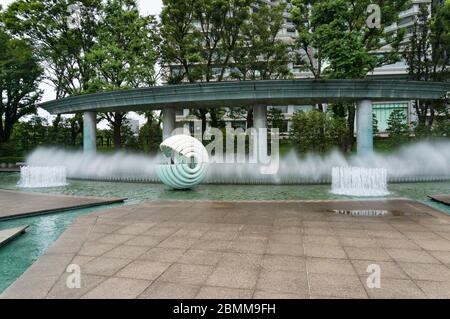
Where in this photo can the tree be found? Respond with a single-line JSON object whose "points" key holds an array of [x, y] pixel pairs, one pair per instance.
{"points": [[335, 40], [275, 118], [260, 54], [398, 127], [129, 137], [199, 38], [30, 134], [316, 131], [124, 55], [61, 47], [428, 59], [180, 42], [20, 74], [375, 122], [150, 135]]}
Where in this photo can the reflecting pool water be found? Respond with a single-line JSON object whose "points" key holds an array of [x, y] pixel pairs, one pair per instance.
{"points": [[17, 256], [20, 254], [142, 191]]}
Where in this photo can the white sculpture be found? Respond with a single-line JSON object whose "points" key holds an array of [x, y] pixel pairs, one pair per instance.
{"points": [[187, 161]]}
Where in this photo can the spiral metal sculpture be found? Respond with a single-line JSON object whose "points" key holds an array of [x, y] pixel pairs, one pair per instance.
{"points": [[187, 162]]}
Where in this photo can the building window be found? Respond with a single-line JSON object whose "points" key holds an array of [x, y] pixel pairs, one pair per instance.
{"points": [[384, 110]]}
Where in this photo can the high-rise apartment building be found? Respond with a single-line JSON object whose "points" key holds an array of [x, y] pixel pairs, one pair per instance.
{"points": [[381, 110]]}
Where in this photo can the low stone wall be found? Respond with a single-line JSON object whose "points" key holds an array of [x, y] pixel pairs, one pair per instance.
{"points": [[10, 166]]}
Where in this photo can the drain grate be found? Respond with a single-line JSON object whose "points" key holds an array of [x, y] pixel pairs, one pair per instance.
{"points": [[363, 213]]}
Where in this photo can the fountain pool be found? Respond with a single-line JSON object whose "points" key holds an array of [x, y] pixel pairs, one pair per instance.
{"points": [[146, 191], [16, 257]]}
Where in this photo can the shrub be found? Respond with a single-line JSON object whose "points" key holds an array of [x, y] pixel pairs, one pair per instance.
{"points": [[398, 127], [317, 131]]}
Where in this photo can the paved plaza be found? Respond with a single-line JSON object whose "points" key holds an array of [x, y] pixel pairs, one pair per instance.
{"points": [[19, 204], [248, 250], [444, 199], [6, 235]]}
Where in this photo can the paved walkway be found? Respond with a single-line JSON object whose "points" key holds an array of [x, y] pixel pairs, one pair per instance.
{"points": [[444, 199], [247, 250], [17, 204], [6, 235]]}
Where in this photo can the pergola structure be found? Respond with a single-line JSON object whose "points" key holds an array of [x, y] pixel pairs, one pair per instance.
{"points": [[258, 94]]}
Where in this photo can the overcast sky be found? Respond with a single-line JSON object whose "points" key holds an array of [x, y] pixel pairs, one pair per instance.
{"points": [[146, 6]]}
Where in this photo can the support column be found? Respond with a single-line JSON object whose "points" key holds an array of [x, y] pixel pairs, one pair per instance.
{"points": [[259, 116], [89, 132], [364, 127], [168, 122], [260, 122]]}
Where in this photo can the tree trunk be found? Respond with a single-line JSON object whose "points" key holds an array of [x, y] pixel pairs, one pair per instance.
{"points": [[7, 130], [117, 135], [202, 116], [350, 141], [432, 118], [2, 136], [73, 133], [250, 118]]}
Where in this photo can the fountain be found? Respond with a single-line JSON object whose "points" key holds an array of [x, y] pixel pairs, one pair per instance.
{"points": [[40, 177], [420, 162], [359, 181]]}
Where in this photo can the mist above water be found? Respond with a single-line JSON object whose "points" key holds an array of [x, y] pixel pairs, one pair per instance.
{"points": [[416, 162]]}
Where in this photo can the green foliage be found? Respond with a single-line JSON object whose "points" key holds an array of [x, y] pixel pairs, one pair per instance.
{"points": [[217, 118], [9, 149], [335, 41], [398, 127], [129, 139], [66, 131], [275, 118], [428, 59], [315, 131], [30, 134], [437, 126], [334, 37], [259, 53], [11, 160], [375, 129], [20, 74], [124, 56], [150, 135], [36, 131], [125, 52], [199, 38], [217, 40], [111, 47], [62, 49], [441, 127]]}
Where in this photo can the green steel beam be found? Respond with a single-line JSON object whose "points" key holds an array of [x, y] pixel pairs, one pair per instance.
{"points": [[249, 93]]}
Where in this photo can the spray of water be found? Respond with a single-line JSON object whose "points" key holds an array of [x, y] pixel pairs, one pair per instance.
{"points": [[39, 177], [413, 163], [359, 181]]}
